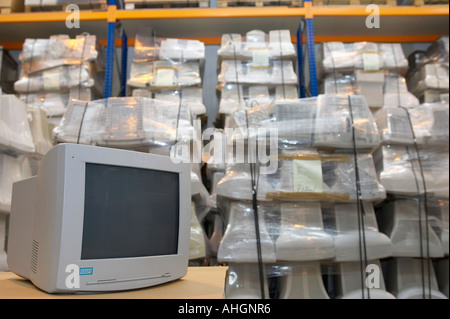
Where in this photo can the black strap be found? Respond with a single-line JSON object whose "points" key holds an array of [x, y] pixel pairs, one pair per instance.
{"points": [[360, 208], [255, 181], [81, 122]]}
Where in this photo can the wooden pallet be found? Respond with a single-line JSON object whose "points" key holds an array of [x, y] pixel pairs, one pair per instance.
{"points": [[98, 5], [140, 4], [9, 6], [354, 2], [258, 3]]}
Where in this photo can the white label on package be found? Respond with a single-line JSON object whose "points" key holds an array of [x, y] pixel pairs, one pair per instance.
{"points": [[371, 61], [261, 58], [51, 80], [164, 77], [307, 176]]}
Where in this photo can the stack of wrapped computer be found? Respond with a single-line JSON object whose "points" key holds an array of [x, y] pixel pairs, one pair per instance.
{"points": [[374, 70], [16, 143], [169, 70], [298, 197], [413, 163], [58, 69], [255, 69]]}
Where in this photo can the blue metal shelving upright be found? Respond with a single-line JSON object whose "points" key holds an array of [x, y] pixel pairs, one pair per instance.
{"points": [[109, 63], [307, 27]]}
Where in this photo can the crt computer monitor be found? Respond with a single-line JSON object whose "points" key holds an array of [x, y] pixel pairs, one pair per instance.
{"points": [[121, 218]]}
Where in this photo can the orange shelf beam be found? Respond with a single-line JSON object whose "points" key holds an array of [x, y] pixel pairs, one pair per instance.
{"points": [[241, 12]]}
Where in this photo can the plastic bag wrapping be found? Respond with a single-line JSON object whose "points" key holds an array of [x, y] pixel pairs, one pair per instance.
{"points": [[256, 43], [399, 171], [288, 232], [347, 57], [325, 121], [164, 74], [302, 280], [150, 48], [337, 83], [56, 79], [55, 103], [410, 229], [15, 133], [355, 232], [239, 241], [429, 123], [190, 96], [305, 176], [238, 97], [395, 92], [243, 71], [286, 280], [125, 123], [301, 237], [12, 169], [60, 47]]}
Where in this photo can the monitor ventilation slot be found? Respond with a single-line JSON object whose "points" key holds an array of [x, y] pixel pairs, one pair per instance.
{"points": [[34, 256]]}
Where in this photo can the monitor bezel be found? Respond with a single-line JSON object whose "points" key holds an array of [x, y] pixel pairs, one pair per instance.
{"points": [[116, 273]]}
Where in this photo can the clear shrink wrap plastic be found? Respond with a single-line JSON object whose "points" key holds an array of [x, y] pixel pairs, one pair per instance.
{"points": [[243, 71], [193, 97], [413, 231], [348, 57], [395, 91], [58, 69], [56, 79], [412, 164], [300, 242], [148, 48], [311, 213], [40, 54], [125, 122], [165, 63], [164, 74], [306, 176], [415, 147], [54, 103], [429, 122], [59, 63], [400, 173], [238, 97], [324, 121], [276, 44]]}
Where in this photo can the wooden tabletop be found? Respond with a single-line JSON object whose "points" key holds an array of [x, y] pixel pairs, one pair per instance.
{"points": [[199, 283]]}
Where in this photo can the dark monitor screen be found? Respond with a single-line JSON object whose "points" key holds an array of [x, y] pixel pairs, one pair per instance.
{"points": [[129, 212]]}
